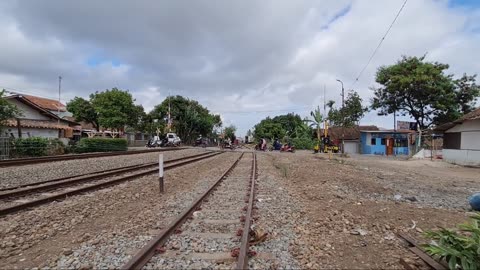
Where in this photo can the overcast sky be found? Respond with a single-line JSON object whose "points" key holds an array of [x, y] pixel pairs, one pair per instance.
{"points": [[243, 59]]}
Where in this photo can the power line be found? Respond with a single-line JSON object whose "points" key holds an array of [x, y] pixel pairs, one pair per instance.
{"points": [[265, 111], [380, 43]]}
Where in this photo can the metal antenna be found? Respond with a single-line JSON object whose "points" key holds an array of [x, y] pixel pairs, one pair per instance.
{"points": [[59, 95]]}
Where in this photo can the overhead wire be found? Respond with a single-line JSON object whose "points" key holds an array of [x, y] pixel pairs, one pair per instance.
{"points": [[380, 43], [304, 108]]}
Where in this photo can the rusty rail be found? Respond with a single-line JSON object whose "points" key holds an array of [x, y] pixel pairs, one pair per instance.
{"points": [[28, 161], [242, 262], [37, 202], [146, 253], [76, 179], [413, 247]]}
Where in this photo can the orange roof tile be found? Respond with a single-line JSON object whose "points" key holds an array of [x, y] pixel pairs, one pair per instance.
{"points": [[47, 104]]}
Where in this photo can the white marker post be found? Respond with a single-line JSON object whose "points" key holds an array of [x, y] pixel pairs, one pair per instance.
{"points": [[160, 172]]}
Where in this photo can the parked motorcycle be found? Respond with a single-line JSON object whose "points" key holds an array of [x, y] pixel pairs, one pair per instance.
{"points": [[287, 148], [153, 143]]}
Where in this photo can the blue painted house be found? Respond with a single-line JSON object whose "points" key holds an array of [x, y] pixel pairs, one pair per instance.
{"points": [[385, 142]]}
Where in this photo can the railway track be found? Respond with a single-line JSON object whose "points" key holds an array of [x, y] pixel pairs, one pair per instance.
{"points": [[36, 160], [214, 232], [90, 176], [37, 194]]}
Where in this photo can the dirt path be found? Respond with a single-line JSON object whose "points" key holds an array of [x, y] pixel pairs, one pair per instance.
{"points": [[349, 227]]}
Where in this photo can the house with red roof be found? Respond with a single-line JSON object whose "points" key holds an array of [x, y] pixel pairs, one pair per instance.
{"points": [[40, 117]]}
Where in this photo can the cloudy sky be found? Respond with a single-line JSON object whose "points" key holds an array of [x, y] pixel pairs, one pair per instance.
{"points": [[244, 59]]}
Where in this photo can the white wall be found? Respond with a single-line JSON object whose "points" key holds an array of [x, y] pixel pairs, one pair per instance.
{"points": [[27, 111], [470, 125], [470, 140], [351, 147], [470, 132], [462, 157], [31, 132]]}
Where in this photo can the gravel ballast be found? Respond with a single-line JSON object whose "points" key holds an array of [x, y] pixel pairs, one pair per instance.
{"points": [[103, 228], [20, 175]]}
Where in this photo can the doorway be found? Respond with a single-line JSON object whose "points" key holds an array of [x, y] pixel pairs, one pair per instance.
{"points": [[389, 146]]}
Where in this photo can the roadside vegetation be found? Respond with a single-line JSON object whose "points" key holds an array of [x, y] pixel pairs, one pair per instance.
{"points": [[460, 248]]}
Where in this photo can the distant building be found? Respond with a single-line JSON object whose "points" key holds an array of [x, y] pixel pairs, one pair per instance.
{"points": [[41, 117], [461, 139], [386, 142], [351, 138]]}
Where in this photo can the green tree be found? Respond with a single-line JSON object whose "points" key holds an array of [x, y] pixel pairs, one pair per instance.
{"points": [[7, 109], [230, 132], [115, 108], [83, 110], [423, 91], [466, 92], [316, 121], [189, 118], [289, 123], [269, 129], [350, 114], [139, 119]]}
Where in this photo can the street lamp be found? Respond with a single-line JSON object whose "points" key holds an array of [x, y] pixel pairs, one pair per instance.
{"points": [[343, 117]]}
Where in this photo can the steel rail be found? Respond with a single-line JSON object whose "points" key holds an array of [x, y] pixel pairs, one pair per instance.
{"points": [[242, 262], [413, 247], [140, 259], [35, 160], [37, 202], [71, 180]]}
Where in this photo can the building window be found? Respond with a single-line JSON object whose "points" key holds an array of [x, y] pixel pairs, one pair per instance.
{"points": [[452, 140], [383, 141], [401, 143], [373, 141]]}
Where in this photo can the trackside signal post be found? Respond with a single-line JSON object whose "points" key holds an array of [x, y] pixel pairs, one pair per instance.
{"points": [[160, 172]]}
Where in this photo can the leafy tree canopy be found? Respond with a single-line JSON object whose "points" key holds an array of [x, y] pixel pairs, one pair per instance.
{"points": [[230, 132], [269, 129], [83, 110], [423, 91], [115, 108], [289, 122], [350, 114], [289, 125], [7, 109], [189, 118]]}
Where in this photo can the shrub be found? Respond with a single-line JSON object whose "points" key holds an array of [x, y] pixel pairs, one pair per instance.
{"points": [[100, 145], [460, 247], [303, 143], [32, 147], [55, 147]]}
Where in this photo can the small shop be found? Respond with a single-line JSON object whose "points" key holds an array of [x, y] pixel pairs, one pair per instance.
{"points": [[386, 142]]}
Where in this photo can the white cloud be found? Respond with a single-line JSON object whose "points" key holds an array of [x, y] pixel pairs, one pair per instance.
{"points": [[263, 57]]}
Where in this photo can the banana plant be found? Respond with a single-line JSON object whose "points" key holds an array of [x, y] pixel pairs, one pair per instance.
{"points": [[316, 121], [460, 248]]}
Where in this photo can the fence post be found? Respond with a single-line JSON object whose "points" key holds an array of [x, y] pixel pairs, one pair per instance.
{"points": [[160, 172]]}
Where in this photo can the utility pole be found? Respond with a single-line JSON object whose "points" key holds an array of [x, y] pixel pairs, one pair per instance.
{"points": [[324, 100], [343, 117], [169, 115], [394, 131], [59, 91]]}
